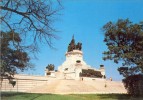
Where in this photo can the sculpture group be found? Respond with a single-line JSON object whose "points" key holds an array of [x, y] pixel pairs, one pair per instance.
{"points": [[73, 46]]}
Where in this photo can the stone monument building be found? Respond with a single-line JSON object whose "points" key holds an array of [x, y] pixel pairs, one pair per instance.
{"points": [[74, 67]]}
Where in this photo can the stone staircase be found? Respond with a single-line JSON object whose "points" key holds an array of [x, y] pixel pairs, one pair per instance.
{"points": [[79, 87]]}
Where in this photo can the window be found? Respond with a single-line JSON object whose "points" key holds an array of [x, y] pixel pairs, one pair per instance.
{"points": [[78, 61], [66, 69]]}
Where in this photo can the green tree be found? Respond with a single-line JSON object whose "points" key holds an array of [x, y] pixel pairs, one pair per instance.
{"points": [[34, 16], [13, 56], [50, 67], [134, 84], [125, 44]]}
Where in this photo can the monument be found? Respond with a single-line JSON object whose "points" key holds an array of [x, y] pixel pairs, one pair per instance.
{"points": [[74, 76], [74, 67]]}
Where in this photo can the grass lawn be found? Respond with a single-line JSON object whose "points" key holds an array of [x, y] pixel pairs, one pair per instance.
{"points": [[35, 96]]}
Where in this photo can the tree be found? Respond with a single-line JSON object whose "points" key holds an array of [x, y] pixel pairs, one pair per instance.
{"points": [[32, 17], [134, 84], [50, 67], [13, 56], [125, 44]]}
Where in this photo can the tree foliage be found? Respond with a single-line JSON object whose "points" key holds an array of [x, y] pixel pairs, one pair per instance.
{"points": [[34, 16], [13, 56], [50, 67], [125, 43], [134, 84], [91, 73]]}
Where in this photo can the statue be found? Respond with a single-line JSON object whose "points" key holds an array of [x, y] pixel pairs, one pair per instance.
{"points": [[72, 46], [79, 46], [69, 48]]}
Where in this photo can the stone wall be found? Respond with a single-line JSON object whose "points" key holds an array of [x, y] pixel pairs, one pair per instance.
{"points": [[23, 83]]}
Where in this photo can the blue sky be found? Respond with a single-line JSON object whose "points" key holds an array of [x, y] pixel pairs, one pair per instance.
{"points": [[85, 19]]}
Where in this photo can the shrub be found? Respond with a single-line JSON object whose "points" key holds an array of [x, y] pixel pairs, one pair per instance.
{"points": [[134, 84]]}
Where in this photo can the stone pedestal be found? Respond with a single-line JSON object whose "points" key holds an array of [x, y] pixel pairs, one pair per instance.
{"points": [[73, 64], [74, 59]]}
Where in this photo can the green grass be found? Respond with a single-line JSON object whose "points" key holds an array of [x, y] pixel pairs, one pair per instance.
{"points": [[35, 96]]}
